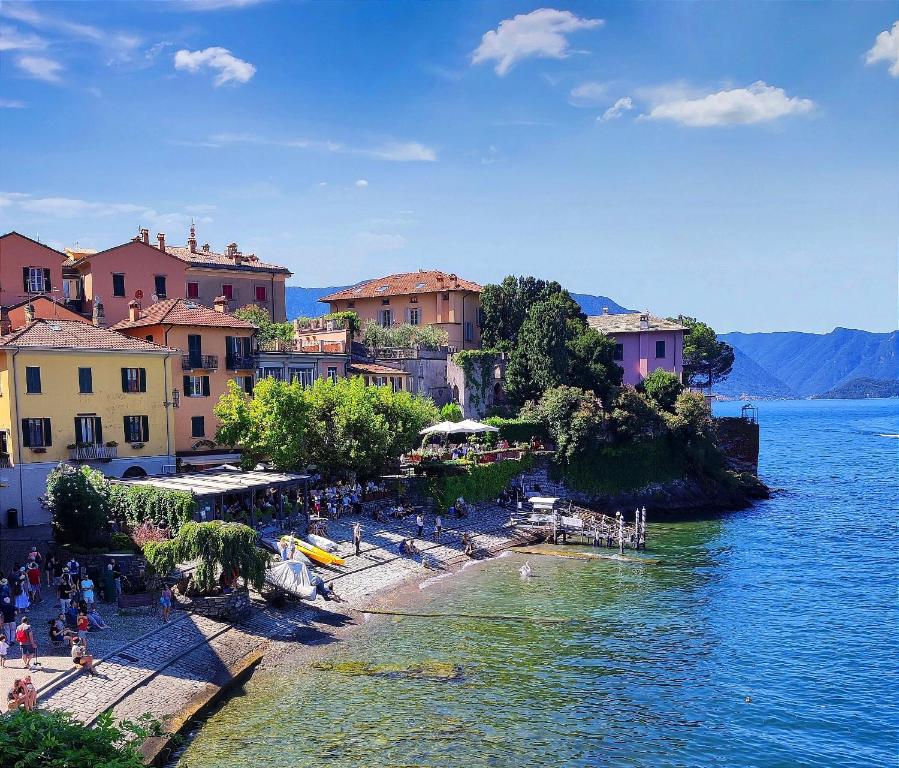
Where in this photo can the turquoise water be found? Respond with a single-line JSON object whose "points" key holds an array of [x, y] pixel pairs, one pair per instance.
{"points": [[765, 637]]}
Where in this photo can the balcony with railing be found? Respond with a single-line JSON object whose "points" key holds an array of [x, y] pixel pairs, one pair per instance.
{"points": [[199, 362], [240, 362], [313, 324], [5, 461], [317, 347], [93, 452]]}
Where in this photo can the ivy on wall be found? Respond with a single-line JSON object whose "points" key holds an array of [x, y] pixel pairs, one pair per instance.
{"points": [[477, 366], [480, 483], [143, 503]]}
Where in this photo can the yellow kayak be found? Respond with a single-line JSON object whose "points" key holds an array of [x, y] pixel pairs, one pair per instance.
{"points": [[316, 554]]}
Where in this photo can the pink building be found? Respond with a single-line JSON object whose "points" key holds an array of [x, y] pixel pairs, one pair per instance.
{"points": [[643, 343], [28, 269]]}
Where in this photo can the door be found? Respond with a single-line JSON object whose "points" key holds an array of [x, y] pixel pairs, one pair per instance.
{"points": [[195, 350]]}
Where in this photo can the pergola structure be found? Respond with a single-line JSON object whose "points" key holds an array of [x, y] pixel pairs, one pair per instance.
{"points": [[216, 490]]}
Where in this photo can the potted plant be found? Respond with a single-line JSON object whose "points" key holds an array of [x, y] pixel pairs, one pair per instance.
{"points": [[38, 449], [137, 446], [111, 444]]}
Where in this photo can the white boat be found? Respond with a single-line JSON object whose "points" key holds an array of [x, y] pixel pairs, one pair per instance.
{"points": [[321, 542], [293, 577]]}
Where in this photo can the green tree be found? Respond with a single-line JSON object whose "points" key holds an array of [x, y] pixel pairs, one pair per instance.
{"points": [[691, 418], [573, 418], [505, 307], [267, 330], [57, 740], [634, 416], [591, 364], [271, 424], [451, 412], [79, 500], [706, 358], [662, 388], [539, 359]]}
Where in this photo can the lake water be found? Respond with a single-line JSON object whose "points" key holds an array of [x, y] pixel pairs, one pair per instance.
{"points": [[765, 637]]}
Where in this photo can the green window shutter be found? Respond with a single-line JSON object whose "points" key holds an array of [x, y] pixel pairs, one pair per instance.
{"points": [[47, 287], [79, 437], [125, 420], [25, 279], [98, 429], [187, 388], [124, 379], [26, 433], [145, 428], [48, 434], [205, 386], [143, 379]]}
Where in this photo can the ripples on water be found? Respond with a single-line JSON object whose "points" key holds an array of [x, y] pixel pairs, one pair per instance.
{"points": [[764, 637]]}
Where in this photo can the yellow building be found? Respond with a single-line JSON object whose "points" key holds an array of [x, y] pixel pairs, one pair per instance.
{"points": [[73, 392]]}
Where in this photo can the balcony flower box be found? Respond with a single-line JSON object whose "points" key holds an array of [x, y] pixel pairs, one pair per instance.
{"points": [[38, 449], [137, 446]]}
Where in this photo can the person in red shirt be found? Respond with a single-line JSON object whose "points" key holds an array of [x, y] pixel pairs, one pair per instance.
{"points": [[83, 624], [34, 579]]}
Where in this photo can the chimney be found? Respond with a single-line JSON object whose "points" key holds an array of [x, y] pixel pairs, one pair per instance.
{"points": [[29, 312], [99, 318], [644, 321], [161, 239], [5, 324], [133, 310], [145, 236], [135, 239], [205, 247], [605, 310], [220, 304], [192, 239]]}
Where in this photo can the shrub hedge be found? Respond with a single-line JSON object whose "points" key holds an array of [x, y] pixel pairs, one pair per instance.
{"points": [[518, 430], [479, 483]]}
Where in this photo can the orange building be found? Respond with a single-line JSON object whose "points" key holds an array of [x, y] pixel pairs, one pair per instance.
{"points": [[419, 298], [215, 347]]}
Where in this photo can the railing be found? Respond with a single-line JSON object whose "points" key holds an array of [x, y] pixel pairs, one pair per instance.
{"points": [[277, 345], [240, 362], [93, 453], [320, 324], [199, 362], [5, 461]]}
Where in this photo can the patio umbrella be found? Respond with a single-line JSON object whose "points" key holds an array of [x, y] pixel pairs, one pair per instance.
{"points": [[474, 427], [444, 428]]}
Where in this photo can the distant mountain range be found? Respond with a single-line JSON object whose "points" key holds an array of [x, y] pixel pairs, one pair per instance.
{"points": [[794, 364], [844, 363]]}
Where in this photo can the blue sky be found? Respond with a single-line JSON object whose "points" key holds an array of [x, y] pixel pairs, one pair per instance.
{"points": [[732, 161]]}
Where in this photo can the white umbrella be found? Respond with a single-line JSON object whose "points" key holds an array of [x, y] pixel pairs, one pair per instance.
{"points": [[444, 427], [469, 425]]}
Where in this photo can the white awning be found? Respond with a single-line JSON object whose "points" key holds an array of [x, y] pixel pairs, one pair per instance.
{"points": [[217, 481]]}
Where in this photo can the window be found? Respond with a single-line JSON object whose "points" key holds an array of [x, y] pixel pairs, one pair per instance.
{"points": [[88, 430], [332, 373], [272, 373], [351, 304], [36, 279], [414, 316], [385, 318], [228, 291], [198, 426], [4, 444], [193, 290], [33, 380], [245, 383], [85, 381], [195, 350], [36, 433], [397, 382], [469, 330], [618, 354], [118, 284], [660, 349], [159, 286], [134, 379], [196, 386], [260, 293], [137, 429], [149, 337], [303, 375]]}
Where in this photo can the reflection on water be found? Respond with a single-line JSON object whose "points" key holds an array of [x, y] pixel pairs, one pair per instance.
{"points": [[762, 638]]}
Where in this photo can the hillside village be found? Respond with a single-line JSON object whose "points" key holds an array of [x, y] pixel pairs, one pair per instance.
{"points": [[117, 358]]}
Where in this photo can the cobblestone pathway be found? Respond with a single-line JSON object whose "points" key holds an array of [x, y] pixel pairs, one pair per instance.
{"points": [[160, 673]]}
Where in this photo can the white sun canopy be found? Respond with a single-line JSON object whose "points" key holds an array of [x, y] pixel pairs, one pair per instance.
{"points": [[465, 427]]}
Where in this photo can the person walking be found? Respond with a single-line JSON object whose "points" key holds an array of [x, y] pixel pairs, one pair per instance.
{"points": [[26, 641], [64, 592], [34, 579], [8, 614], [357, 537], [438, 527], [420, 523], [165, 600], [4, 650]]}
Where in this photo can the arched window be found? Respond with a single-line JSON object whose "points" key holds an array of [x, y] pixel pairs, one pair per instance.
{"points": [[455, 394], [497, 393], [134, 472]]}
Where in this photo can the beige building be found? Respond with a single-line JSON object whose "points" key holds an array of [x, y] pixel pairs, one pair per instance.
{"points": [[419, 298]]}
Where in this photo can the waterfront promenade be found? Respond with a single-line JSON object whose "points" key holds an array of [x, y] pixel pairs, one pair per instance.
{"points": [[172, 670]]}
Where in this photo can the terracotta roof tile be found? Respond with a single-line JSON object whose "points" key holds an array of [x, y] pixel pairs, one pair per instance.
{"points": [[630, 322], [423, 281], [373, 369], [70, 334], [183, 312], [201, 258]]}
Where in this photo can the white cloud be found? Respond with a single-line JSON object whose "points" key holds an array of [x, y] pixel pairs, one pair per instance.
{"points": [[228, 66], [40, 68], [12, 39], [617, 109], [759, 103], [361, 183], [410, 151], [73, 208], [541, 33], [886, 48], [11, 104], [376, 242], [587, 94]]}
